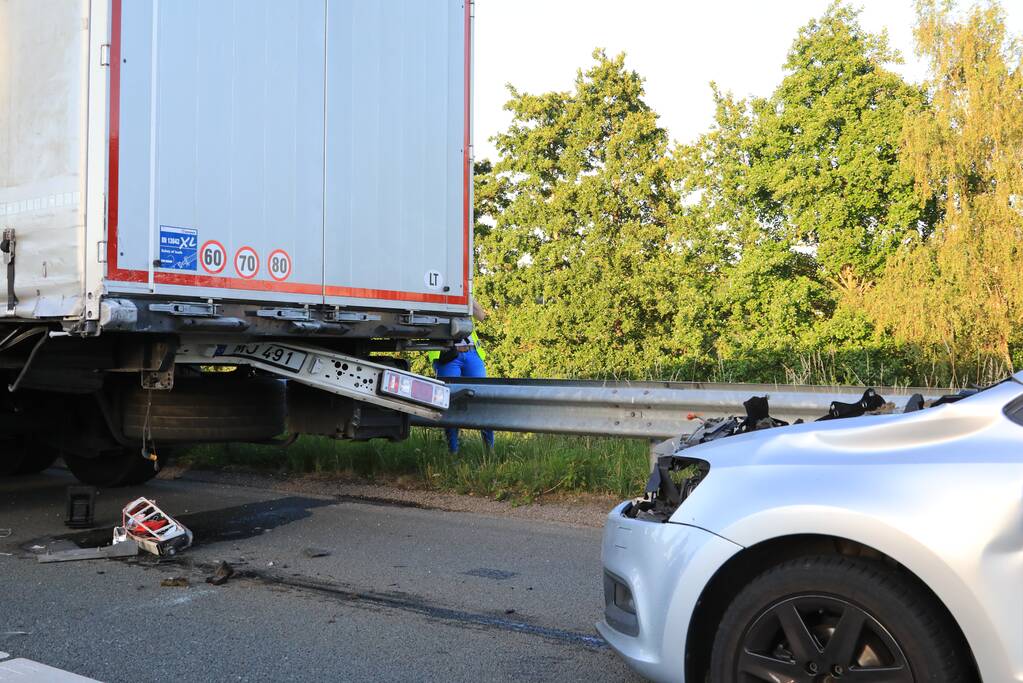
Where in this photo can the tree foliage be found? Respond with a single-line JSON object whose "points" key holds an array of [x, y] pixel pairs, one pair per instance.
{"points": [[961, 291], [579, 265], [850, 222]]}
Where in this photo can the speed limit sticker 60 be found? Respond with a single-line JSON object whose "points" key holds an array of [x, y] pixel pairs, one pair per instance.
{"points": [[246, 262], [212, 257], [279, 265]]}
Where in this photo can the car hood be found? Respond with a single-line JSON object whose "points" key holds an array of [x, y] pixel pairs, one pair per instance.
{"points": [[905, 437]]}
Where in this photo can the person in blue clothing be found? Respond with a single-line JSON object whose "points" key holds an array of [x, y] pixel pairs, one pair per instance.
{"points": [[464, 359]]}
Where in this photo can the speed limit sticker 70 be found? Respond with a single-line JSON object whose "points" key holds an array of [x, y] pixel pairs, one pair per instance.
{"points": [[246, 262], [279, 265], [212, 257]]}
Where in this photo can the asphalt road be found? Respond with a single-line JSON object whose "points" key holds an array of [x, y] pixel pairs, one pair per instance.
{"points": [[405, 594]]}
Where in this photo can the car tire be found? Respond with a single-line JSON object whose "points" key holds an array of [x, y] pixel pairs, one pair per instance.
{"points": [[110, 469], [818, 618]]}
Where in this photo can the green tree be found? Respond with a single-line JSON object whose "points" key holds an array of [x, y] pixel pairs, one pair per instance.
{"points": [[578, 258], [828, 144], [803, 197], [961, 290]]}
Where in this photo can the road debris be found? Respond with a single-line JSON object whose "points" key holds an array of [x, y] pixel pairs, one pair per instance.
{"points": [[175, 582], [106, 552], [221, 574], [81, 507], [152, 529], [316, 552]]}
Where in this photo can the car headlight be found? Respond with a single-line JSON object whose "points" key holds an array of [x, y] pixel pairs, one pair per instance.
{"points": [[672, 480]]}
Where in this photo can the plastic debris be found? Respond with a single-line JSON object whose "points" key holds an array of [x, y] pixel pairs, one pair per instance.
{"points": [[152, 529], [316, 552]]}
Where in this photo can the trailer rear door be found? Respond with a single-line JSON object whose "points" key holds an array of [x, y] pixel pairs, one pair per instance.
{"points": [[298, 151]]}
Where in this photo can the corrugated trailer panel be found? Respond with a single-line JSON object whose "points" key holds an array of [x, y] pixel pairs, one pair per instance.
{"points": [[396, 75], [225, 157], [311, 151], [43, 117]]}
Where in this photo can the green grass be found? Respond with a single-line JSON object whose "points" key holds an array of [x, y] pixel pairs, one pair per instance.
{"points": [[521, 468]]}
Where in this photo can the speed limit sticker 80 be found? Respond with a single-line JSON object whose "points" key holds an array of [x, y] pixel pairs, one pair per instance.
{"points": [[246, 262], [279, 265]]}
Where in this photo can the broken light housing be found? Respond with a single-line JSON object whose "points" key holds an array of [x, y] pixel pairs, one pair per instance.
{"points": [[415, 389]]}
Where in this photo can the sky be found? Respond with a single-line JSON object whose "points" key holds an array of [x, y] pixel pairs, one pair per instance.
{"points": [[678, 46]]}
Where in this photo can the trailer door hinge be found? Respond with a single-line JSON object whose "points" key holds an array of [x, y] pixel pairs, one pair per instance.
{"points": [[7, 246], [104, 54], [413, 319], [292, 314], [350, 317], [189, 309]]}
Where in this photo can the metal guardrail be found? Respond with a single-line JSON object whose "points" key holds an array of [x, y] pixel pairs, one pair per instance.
{"points": [[650, 410]]}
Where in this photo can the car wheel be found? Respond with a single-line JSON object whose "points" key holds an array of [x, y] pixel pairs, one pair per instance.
{"points": [[125, 467], [834, 619]]}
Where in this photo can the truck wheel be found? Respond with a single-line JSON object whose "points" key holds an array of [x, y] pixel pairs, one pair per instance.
{"points": [[206, 409], [125, 467], [12, 453], [25, 456], [822, 618]]}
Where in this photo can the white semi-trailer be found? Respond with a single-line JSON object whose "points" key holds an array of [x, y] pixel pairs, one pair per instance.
{"points": [[281, 187]]}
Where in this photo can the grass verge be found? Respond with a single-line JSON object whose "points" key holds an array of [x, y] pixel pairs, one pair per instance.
{"points": [[522, 467]]}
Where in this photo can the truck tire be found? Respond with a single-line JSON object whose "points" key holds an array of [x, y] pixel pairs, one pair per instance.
{"points": [[817, 618], [109, 469], [11, 456], [209, 408], [19, 456]]}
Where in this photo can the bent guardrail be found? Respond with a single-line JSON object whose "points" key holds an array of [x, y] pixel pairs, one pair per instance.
{"points": [[648, 410]]}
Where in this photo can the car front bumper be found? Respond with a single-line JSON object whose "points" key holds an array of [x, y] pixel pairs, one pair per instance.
{"points": [[665, 567]]}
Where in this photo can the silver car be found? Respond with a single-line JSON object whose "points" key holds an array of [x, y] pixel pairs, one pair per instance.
{"points": [[878, 548]]}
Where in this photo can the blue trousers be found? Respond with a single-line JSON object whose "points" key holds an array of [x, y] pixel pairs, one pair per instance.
{"points": [[466, 364]]}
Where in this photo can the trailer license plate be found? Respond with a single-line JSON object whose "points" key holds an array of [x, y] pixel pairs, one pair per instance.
{"points": [[271, 354]]}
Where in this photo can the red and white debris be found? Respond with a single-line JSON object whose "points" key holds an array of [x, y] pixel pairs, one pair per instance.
{"points": [[152, 529]]}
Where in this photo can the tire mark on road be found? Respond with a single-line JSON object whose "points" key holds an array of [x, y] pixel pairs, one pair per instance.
{"points": [[408, 603]]}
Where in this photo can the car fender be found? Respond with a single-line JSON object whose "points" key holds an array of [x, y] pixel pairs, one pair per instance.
{"points": [[983, 636]]}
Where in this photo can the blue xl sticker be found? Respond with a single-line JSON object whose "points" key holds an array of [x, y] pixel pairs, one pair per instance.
{"points": [[179, 248]]}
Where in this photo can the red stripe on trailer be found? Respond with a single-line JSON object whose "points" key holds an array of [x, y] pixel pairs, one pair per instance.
{"points": [[124, 275], [389, 294]]}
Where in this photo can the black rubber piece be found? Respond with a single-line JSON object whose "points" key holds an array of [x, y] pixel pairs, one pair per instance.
{"points": [[209, 408], [110, 469], [922, 629]]}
